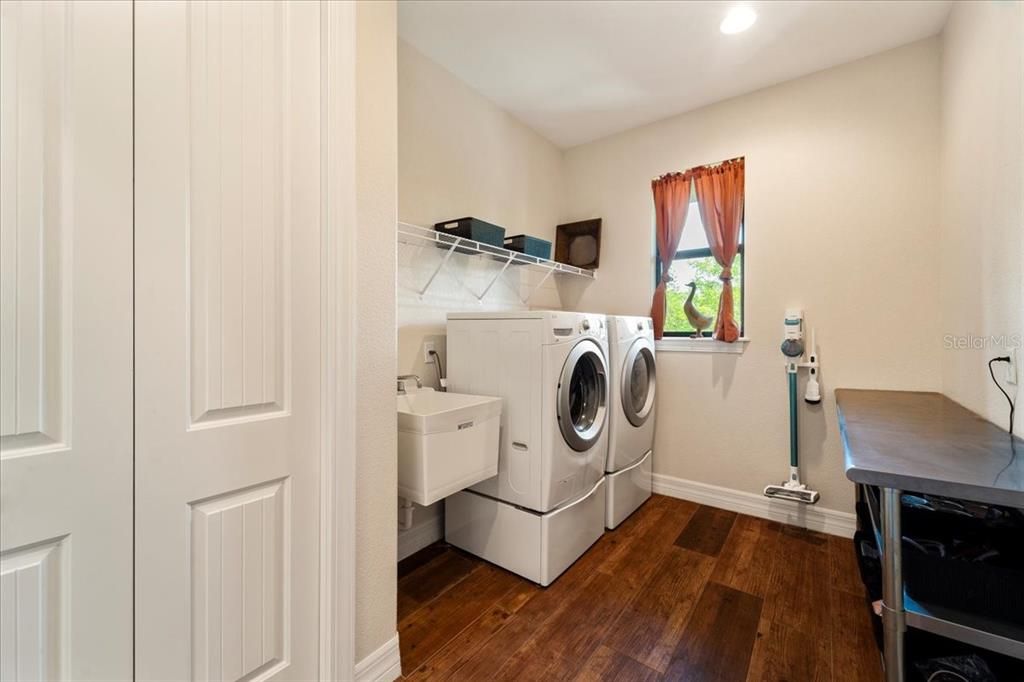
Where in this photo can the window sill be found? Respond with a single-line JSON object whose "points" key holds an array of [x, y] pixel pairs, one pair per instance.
{"points": [[685, 344]]}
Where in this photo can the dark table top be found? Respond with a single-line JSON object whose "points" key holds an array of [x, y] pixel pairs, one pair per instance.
{"points": [[925, 442]]}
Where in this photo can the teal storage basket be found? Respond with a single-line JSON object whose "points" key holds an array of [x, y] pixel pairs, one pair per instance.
{"points": [[470, 228], [530, 246]]}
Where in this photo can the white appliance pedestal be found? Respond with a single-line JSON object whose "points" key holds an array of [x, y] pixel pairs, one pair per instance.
{"points": [[539, 547], [627, 489]]}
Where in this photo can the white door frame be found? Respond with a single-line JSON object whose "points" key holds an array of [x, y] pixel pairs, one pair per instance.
{"points": [[338, 329]]}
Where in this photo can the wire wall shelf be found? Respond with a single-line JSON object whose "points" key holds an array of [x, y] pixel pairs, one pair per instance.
{"points": [[414, 235]]}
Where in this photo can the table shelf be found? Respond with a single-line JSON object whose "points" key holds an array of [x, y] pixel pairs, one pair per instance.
{"points": [[970, 628]]}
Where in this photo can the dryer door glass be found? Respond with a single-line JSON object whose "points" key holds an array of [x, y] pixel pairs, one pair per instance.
{"points": [[583, 396], [638, 381]]}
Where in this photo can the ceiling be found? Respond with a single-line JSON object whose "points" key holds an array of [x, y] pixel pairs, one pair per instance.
{"points": [[576, 71]]}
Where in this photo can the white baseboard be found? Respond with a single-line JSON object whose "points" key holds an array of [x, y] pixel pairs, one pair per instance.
{"points": [[383, 665], [420, 536], [793, 513]]}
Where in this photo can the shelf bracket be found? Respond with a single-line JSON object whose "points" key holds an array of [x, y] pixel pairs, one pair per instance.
{"points": [[508, 262], [440, 266], [551, 269]]}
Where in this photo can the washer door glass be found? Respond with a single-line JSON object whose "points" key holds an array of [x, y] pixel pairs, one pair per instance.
{"points": [[583, 396], [638, 382]]}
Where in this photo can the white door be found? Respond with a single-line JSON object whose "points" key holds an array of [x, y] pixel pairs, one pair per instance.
{"points": [[227, 304], [65, 340]]}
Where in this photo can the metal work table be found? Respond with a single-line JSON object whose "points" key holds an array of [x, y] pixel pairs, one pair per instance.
{"points": [[927, 443]]}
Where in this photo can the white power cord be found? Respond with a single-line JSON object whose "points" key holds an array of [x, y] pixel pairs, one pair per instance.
{"points": [[958, 676]]}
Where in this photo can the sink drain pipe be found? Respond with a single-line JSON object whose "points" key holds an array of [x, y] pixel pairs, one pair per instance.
{"points": [[405, 508]]}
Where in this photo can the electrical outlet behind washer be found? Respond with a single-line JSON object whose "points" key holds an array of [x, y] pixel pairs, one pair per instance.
{"points": [[428, 346]]}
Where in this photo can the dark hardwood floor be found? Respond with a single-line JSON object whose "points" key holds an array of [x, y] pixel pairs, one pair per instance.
{"points": [[678, 592]]}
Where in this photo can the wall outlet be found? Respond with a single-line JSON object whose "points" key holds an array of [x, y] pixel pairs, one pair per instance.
{"points": [[1012, 367], [428, 346]]}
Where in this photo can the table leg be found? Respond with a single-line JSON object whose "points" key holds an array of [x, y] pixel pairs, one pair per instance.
{"points": [[894, 618]]}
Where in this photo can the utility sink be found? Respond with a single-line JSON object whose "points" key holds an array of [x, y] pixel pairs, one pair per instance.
{"points": [[446, 442]]}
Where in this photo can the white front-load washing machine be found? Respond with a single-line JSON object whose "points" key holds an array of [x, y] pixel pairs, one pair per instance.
{"points": [[629, 474], [546, 506]]}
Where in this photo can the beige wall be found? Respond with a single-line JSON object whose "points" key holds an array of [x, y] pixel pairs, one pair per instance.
{"points": [[982, 198], [841, 220], [376, 178], [461, 155]]}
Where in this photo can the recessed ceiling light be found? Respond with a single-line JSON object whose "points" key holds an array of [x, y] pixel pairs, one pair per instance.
{"points": [[738, 19]]}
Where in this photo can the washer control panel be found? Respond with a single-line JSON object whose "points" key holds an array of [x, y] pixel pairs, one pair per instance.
{"points": [[563, 325]]}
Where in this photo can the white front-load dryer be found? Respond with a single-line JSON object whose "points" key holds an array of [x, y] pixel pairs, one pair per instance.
{"points": [[629, 472], [546, 505]]}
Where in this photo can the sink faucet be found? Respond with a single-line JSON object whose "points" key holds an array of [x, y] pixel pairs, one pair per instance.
{"points": [[405, 377]]}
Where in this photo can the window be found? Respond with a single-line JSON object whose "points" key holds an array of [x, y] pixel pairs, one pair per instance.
{"points": [[694, 263]]}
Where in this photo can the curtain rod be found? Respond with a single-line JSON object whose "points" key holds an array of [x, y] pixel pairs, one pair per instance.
{"points": [[706, 165]]}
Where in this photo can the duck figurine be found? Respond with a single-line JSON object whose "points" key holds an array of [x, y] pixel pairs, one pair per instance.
{"points": [[698, 321]]}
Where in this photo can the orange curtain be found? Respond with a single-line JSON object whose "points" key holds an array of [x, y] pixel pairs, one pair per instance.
{"points": [[671, 201], [720, 198]]}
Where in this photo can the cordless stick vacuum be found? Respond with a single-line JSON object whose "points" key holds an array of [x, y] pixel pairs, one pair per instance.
{"points": [[793, 349]]}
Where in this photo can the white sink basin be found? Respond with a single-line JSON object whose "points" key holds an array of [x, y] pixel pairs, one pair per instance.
{"points": [[446, 442]]}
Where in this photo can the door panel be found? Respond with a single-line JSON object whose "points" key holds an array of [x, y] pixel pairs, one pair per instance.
{"points": [[238, 227], [227, 340], [65, 340]]}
